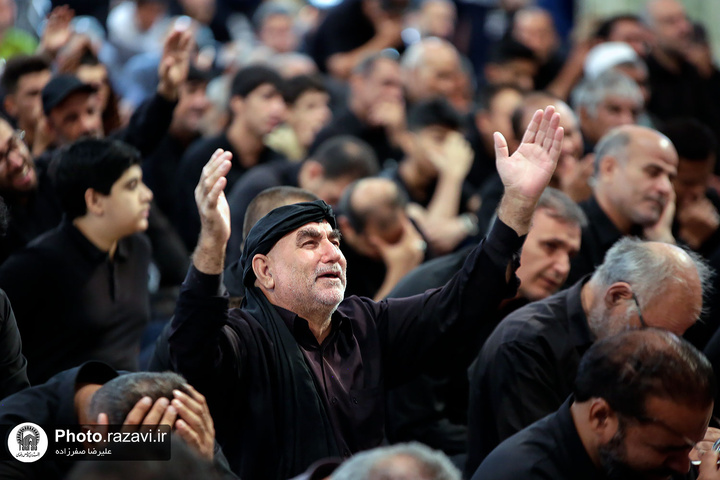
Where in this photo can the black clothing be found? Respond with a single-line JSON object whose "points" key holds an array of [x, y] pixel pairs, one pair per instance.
{"points": [[392, 172], [272, 174], [53, 403], [344, 28], [49, 403], [74, 304], [160, 169], [597, 237], [187, 219], [368, 274], [432, 408], [346, 123], [549, 448], [525, 370], [13, 365], [491, 194], [238, 367], [483, 162]]}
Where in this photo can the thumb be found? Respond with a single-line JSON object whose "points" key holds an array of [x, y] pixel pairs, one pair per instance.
{"points": [[501, 147]]}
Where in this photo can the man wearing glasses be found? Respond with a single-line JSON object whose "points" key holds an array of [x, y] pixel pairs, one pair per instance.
{"points": [[527, 366], [640, 408]]}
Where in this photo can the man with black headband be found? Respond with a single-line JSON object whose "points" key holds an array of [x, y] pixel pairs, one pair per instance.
{"points": [[299, 373]]}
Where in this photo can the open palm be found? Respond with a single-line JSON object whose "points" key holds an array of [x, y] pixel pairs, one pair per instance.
{"points": [[528, 171]]}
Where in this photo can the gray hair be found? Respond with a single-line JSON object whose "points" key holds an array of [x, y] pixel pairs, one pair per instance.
{"points": [[649, 273], [414, 56], [612, 144], [592, 92], [118, 396], [562, 207], [377, 464]]}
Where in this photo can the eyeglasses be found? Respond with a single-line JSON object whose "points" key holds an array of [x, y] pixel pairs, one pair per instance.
{"points": [[14, 143], [637, 304]]}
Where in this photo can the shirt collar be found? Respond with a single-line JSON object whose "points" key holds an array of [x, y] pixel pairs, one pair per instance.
{"points": [[606, 230], [579, 457], [88, 249], [580, 332], [89, 372], [301, 330]]}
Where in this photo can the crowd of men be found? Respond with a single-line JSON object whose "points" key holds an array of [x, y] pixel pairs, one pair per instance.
{"points": [[373, 239]]}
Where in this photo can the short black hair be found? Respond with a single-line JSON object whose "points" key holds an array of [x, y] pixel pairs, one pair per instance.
{"points": [[629, 368], [605, 28], [490, 91], [434, 112], [366, 66], [508, 50], [89, 163], [346, 156], [250, 78], [21, 65], [118, 396], [693, 139], [299, 84]]}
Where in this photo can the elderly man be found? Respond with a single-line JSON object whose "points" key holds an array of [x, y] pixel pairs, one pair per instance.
{"points": [[430, 69], [298, 374], [641, 402], [526, 368], [607, 101], [633, 194]]}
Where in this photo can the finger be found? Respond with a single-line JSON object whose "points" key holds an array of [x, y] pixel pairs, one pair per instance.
{"points": [[188, 435], [556, 146], [156, 412], [201, 401], [542, 132], [169, 416], [552, 128], [188, 401], [501, 147], [138, 412], [532, 129], [708, 464]]}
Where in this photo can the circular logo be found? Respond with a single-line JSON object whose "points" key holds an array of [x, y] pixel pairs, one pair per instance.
{"points": [[27, 442]]}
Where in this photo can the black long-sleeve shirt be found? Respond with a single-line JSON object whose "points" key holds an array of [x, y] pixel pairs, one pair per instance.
{"points": [[376, 345], [74, 304], [13, 365]]}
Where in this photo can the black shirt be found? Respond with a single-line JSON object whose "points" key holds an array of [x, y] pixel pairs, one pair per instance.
{"points": [[257, 179], [13, 366], [187, 219], [346, 123], [160, 169], [74, 304], [378, 345], [344, 28], [548, 449], [597, 237], [525, 370]]}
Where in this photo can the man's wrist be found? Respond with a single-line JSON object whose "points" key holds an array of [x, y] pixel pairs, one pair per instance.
{"points": [[167, 91]]}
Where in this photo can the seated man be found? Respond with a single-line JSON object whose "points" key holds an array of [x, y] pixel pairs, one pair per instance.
{"points": [[641, 401], [526, 368], [80, 291], [94, 393], [299, 372]]}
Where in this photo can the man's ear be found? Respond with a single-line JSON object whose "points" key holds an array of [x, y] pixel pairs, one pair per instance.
{"points": [[311, 174], [602, 420], [608, 165], [237, 104], [617, 293], [94, 202], [263, 273]]}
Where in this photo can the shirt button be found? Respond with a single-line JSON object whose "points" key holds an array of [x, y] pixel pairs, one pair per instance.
{"points": [[355, 400], [334, 400], [346, 453]]}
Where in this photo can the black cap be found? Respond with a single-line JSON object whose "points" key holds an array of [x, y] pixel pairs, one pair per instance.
{"points": [[59, 88]]}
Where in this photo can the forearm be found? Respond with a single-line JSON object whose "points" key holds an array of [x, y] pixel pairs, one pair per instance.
{"points": [[516, 212]]}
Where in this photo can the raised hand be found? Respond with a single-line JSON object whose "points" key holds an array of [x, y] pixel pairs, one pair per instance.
{"points": [[175, 62], [214, 214], [527, 172], [58, 30]]}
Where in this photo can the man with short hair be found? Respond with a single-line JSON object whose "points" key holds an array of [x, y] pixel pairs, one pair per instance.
{"points": [[337, 163], [302, 369], [433, 408], [22, 81], [627, 28], [91, 271], [641, 403], [274, 26], [257, 108], [430, 69], [95, 394], [379, 242], [632, 195], [534, 27], [511, 62], [375, 111], [609, 100], [526, 368]]}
